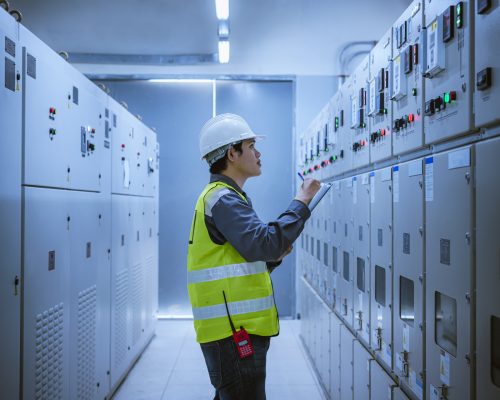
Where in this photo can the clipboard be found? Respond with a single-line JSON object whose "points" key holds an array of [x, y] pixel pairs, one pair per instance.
{"points": [[324, 188]]}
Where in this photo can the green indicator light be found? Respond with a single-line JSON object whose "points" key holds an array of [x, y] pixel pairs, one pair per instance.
{"points": [[446, 97], [414, 91], [385, 110]]}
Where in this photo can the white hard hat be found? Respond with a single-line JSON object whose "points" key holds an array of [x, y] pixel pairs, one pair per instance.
{"points": [[222, 130]]}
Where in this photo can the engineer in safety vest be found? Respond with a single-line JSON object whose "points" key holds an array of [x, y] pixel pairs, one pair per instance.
{"points": [[231, 253]]}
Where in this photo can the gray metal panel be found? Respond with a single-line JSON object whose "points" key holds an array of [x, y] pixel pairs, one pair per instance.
{"points": [[335, 366], [357, 85], [346, 267], [46, 293], [121, 243], [361, 372], [344, 114], [381, 384], [487, 262], [89, 234], [346, 364], [409, 274], [457, 61], [379, 106], [325, 346], [449, 272], [381, 264], [10, 215], [408, 87], [361, 259], [398, 394], [64, 144], [486, 50], [337, 233]]}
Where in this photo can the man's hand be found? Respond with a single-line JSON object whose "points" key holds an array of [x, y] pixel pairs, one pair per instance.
{"points": [[307, 191]]}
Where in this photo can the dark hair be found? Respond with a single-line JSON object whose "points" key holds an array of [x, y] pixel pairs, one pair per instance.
{"points": [[221, 165]]}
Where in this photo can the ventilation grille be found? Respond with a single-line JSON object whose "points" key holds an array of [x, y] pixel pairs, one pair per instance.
{"points": [[121, 317], [150, 292], [137, 301], [87, 307], [49, 353]]}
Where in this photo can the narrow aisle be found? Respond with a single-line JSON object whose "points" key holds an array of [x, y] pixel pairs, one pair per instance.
{"points": [[173, 368]]}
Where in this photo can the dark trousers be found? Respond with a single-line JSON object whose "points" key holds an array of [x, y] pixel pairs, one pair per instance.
{"points": [[232, 377]]}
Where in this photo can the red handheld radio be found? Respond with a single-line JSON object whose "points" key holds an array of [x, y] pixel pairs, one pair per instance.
{"points": [[241, 338]]}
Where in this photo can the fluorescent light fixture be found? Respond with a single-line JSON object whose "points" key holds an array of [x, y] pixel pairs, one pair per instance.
{"points": [[180, 80], [222, 9], [174, 316], [223, 51]]}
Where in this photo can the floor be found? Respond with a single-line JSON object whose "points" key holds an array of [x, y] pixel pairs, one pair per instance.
{"points": [[172, 367]]}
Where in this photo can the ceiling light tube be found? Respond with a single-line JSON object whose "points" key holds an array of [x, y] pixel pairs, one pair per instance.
{"points": [[223, 51], [222, 9], [180, 80]]}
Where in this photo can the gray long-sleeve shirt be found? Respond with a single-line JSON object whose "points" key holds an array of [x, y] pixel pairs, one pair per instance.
{"points": [[235, 221]]}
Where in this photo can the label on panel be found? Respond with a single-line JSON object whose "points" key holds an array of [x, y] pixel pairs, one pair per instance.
{"points": [[429, 179], [459, 158], [395, 178], [444, 367]]}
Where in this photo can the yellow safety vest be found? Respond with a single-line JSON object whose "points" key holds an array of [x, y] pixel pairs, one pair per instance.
{"points": [[214, 268]]}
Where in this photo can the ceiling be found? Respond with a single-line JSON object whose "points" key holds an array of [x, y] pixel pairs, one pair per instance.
{"points": [[268, 37]]}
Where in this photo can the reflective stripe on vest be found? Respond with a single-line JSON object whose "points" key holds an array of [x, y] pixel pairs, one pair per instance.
{"points": [[235, 308], [226, 271], [213, 197]]}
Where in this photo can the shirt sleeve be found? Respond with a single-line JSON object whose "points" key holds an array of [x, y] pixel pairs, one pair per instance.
{"points": [[255, 240]]}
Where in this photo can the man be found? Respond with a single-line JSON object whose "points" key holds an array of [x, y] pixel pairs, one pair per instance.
{"points": [[230, 255]]}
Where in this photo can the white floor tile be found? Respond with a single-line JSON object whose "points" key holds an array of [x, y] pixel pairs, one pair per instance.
{"points": [[173, 367]]}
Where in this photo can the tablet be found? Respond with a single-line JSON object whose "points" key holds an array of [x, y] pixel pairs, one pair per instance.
{"points": [[324, 188]]}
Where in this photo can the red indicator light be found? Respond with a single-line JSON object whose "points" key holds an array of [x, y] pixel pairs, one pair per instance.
{"points": [[382, 132], [411, 118], [453, 96]]}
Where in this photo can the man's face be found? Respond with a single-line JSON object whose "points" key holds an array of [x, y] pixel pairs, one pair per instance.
{"points": [[248, 162]]}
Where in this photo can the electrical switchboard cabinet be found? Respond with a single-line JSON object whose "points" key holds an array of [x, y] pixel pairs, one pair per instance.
{"points": [[324, 351], [346, 363], [381, 385], [133, 153], [379, 108], [487, 62], [10, 211], [63, 123], [449, 273], [323, 135], [334, 124], [448, 69], [336, 237], [381, 264], [407, 88], [90, 262], [361, 365], [122, 245], [344, 129], [398, 394], [487, 273], [361, 257], [46, 293], [335, 365], [409, 275], [357, 90], [346, 279]]}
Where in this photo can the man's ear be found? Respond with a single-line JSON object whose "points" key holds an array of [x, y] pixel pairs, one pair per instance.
{"points": [[231, 154]]}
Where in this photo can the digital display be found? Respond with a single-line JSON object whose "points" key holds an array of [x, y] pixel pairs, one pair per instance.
{"points": [[448, 24]]}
